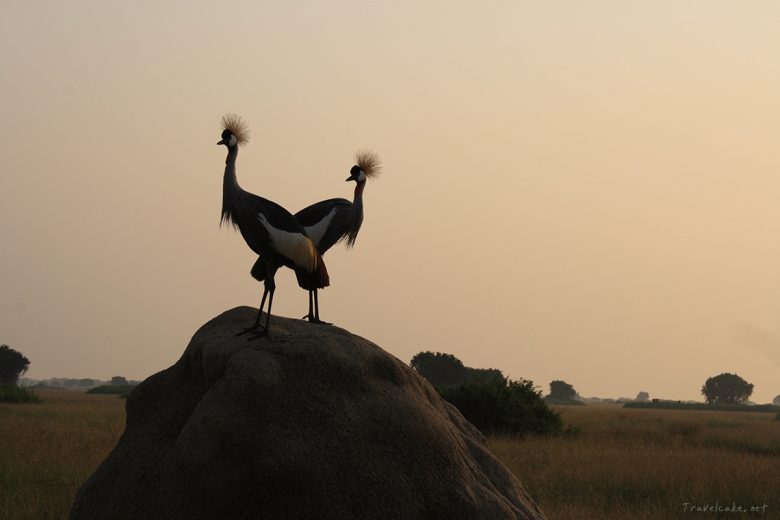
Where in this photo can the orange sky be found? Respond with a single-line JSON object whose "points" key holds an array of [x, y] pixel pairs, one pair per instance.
{"points": [[582, 192]]}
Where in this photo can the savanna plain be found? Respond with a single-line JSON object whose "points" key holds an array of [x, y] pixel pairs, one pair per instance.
{"points": [[618, 463]]}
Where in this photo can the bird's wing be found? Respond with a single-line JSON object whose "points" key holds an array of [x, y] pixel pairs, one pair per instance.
{"points": [[281, 218], [326, 222], [311, 215]]}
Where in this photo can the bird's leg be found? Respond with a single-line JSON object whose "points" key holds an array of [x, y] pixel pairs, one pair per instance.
{"points": [[256, 324], [270, 287], [310, 316], [317, 311], [268, 316], [263, 333]]}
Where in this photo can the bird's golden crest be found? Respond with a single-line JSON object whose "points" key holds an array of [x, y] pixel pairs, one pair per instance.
{"points": [[237, 126], [369, 162]]}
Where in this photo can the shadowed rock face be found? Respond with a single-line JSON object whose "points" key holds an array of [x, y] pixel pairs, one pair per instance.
{"points": [[316, 424]]}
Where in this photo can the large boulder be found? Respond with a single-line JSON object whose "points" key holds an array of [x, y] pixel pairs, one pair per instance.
{"points": [[314, 424]]}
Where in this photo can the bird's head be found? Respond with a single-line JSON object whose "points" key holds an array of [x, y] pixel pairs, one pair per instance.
{"points": [[235, 131], [356, 174], [368, 165]]}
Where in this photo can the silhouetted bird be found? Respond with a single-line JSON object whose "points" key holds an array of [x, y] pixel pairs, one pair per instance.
{"points": [[333, 220], [268, 229]]}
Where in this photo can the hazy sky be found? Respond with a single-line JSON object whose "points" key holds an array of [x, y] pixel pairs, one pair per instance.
{"points": [[586, 191]]}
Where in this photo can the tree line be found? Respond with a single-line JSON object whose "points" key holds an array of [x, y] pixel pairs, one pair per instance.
{"points": [[13, 364], [494, 403]]}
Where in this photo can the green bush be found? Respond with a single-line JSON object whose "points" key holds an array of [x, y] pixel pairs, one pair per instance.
{"points": [[15, 394], [504, 406]]}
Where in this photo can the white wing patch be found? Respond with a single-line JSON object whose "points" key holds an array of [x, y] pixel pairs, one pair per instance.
{"points": [[317, 231], [294, 246]]}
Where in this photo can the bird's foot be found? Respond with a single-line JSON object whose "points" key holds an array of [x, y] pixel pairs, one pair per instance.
{"points": [[252, 329], [315, 320]]}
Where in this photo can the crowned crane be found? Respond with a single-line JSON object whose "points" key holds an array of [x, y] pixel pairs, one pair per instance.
{"points": [[333, 220], [268, 229]]}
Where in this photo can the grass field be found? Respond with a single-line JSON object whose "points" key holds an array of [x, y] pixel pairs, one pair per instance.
{"points": [[50, 449], [646, 464], [625, 463]]}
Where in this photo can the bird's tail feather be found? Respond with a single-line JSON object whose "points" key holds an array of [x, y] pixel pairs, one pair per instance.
{"points": [[317, 279], [258, 270], [323, 279]]}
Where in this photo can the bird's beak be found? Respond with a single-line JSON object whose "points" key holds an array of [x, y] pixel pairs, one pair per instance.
{"points": [[350, 178], [221, 141]]}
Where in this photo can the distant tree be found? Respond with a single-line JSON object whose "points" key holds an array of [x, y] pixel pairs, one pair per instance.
{"points": [[118, 380], [440, 369], [727, 389], [642, 397], [490, 401], [12, 365], [561, 391], [776, 400]]}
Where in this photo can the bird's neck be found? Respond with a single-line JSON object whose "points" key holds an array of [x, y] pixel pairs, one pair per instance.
{"points": [[359, 186], [356, 214], [231, 155], [230, 168], [230, 187]]}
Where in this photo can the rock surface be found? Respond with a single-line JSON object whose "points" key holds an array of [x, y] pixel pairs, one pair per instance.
{"points": [[316, 424]]}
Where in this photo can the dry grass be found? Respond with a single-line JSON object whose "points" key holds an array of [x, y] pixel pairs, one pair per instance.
{"points": [[645, 464], [637, 464], [48, 450]]}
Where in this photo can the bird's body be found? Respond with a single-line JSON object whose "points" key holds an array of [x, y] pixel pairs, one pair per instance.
{"points": [[331, 221], [268, 229]]}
